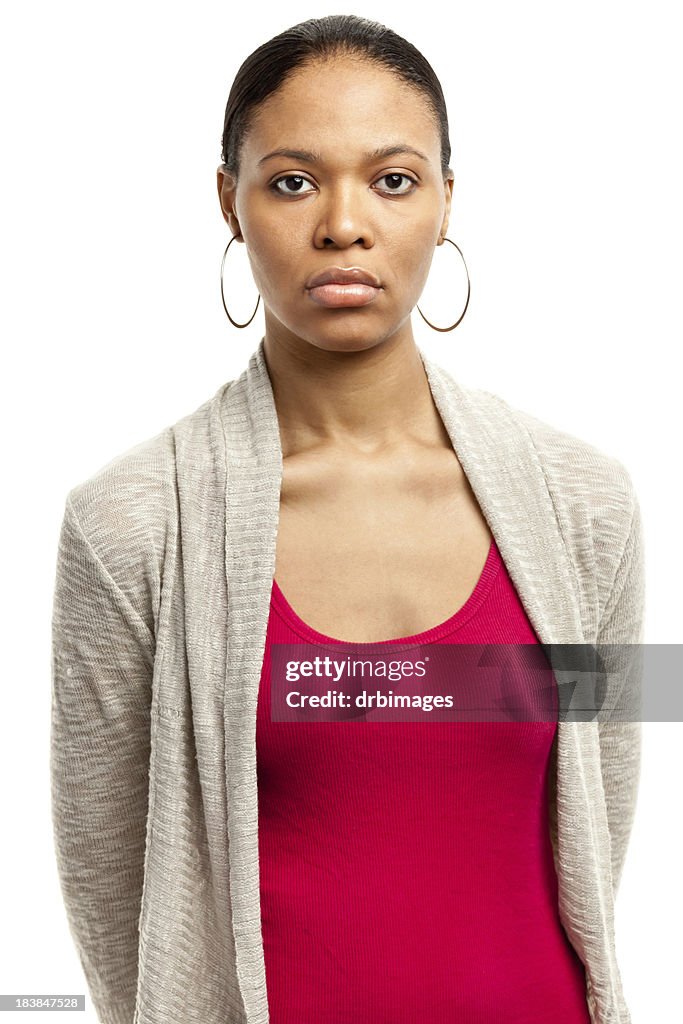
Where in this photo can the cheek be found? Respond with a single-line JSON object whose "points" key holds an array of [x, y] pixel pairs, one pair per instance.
{"points": [[409, 259], [273, 255]]}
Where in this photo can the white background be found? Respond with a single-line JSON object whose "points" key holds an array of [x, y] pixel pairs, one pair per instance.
{"points": [[565, 127]]}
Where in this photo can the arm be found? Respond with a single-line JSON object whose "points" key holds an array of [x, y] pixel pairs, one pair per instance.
{"points": [[102, 664], [620, 741]]}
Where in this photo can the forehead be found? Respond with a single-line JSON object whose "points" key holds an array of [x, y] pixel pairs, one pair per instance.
{"points": [[340, 107]]}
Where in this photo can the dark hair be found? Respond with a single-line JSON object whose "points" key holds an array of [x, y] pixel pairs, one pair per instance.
{"points": [[266, 69]]}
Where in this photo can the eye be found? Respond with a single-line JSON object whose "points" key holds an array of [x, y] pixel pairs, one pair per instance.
{"points": [[297, 178], [392, 177]]}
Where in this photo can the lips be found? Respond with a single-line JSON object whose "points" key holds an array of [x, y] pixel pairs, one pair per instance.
{"points": [[344, 275]]}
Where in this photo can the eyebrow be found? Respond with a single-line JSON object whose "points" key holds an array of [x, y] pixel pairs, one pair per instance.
{"points": [[307, 156]]}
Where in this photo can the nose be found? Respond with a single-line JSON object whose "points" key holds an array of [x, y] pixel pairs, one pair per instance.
{"points": [[344, 219]]}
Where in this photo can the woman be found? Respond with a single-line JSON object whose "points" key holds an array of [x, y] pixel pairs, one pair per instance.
{"points": [[218, 865]]}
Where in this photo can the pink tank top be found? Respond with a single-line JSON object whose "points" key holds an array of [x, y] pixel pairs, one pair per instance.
{"points": [[406, 868]]}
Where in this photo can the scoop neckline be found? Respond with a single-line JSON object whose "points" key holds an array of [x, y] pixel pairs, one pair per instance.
{"points": [[450, 625]]}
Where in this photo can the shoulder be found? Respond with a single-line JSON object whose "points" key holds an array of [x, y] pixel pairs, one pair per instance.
{"points": [[581, 476], [123, 517], [125, 514], [135, 493], [591, 490], [578, 473], [594, 501], [131, 491]]}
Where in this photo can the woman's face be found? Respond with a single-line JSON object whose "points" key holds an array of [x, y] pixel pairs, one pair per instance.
{"points": [[342, 206]]}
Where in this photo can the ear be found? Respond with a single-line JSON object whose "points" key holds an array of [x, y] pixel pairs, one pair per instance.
{"points": [[448, 196], [227, 188]]}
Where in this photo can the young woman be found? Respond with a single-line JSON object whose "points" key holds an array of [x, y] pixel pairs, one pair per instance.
{"points": [[225, 863]]}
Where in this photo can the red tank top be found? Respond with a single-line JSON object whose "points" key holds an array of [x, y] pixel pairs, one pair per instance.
{"points": [[406, 868]]}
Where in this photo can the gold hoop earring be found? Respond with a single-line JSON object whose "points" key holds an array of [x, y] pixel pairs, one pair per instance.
{"points": [[234, 322], [444, 329]]}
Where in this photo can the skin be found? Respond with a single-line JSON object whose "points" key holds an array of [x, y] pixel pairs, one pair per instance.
{"points": [[370, 477]]}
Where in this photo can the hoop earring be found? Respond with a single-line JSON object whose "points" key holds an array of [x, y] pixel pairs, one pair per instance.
{"points": [[234, 322], [444, 329]]}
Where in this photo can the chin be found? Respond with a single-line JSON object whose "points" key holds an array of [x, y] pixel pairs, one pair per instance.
{"points": [[348, 341]]}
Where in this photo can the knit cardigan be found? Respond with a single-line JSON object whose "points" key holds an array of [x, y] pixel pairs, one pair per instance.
{"points": [[164, 571]]}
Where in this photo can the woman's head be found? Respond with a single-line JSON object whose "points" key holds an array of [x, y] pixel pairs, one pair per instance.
{"points": [[364, 180]]}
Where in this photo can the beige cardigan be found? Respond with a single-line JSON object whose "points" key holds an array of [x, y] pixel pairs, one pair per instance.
{"points": [[165, 564]]}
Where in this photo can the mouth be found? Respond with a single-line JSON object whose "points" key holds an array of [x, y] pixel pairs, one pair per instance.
{"points": [[335, 294], [344, 286]]}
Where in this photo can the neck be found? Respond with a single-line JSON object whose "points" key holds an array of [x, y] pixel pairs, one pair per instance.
{"points": [[370, 400]]}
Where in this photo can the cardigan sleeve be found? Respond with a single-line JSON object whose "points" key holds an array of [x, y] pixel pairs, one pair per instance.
{"points": [[622, 623], [102, 665]]}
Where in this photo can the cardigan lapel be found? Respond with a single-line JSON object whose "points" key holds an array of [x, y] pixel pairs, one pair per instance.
{"points": [[502, 466], [506, 476]]}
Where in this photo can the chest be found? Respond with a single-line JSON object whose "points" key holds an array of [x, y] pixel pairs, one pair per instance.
{"points": [[370, 550]]}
